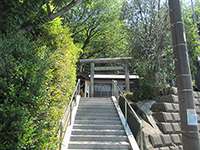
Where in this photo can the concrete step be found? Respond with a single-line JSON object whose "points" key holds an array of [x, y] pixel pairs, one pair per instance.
{"points": [[96, 111], [96, 126], [100, 122], [79, 113], [97, 118], [98, 145], [105, 138], [101, 149], [96, 107], [95, 102], [95, 99], [97, 132], [96, 115]]}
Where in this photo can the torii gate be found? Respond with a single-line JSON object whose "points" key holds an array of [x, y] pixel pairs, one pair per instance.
{"points": [[123, 60]]}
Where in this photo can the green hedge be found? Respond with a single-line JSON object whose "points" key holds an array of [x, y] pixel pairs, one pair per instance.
{"points": [[37, 77]]}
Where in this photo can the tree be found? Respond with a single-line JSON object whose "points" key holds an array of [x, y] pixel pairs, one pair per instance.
{"points": [[29, 14], [149, 39], [37, 72], [97, 28], [192, 34]]}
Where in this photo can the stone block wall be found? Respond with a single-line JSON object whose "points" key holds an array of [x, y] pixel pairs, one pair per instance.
{"points": [[166, 114]]}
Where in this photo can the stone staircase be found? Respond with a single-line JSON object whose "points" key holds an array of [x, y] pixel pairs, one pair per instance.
{"points": [[97, 125]]}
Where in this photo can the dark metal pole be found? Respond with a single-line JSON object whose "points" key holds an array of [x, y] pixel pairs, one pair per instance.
{"points": [[189, 128]]}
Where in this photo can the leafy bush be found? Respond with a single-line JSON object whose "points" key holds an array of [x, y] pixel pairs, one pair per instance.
{"points": [[37, 78]]}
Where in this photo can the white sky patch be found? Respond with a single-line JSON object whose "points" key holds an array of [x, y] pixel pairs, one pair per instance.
{"points": [[184, 1]]}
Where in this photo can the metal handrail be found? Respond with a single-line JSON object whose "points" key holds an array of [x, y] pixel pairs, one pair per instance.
{"points": [[66, 119], [127, 104]]}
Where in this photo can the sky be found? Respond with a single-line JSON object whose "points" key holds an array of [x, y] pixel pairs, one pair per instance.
{"points": [[189, 1], [185, 1]]}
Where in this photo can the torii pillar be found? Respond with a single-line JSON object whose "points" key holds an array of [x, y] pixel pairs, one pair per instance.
{"points": [[92, 79], [127, 80]]}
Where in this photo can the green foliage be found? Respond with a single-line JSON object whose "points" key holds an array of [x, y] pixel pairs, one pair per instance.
{"points": [[149, 44], [98, 29], [18, 86], [36, 81], [60, 77], [193, 42], [38, 68], [30, 15]]}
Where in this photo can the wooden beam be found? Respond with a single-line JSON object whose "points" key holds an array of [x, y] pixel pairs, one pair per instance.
{"points": [[106, 60], [108, 68]]}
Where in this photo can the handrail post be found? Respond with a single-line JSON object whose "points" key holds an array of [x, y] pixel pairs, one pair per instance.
{"points": [[125, 111], [79, 87], [141, 138], [70, 114], [67, 116], [113, 88]]}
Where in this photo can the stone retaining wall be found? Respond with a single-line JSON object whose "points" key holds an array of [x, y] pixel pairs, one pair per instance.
{"points": [[166, 114]]}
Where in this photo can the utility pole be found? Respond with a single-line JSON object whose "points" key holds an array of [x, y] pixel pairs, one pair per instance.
{"points": [[189, 124], [198, 73]]}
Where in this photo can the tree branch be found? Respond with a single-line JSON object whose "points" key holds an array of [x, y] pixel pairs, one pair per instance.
{"points": [[48, 8], [75, 32], [90, 33], [64, 9], [41, 20]]}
